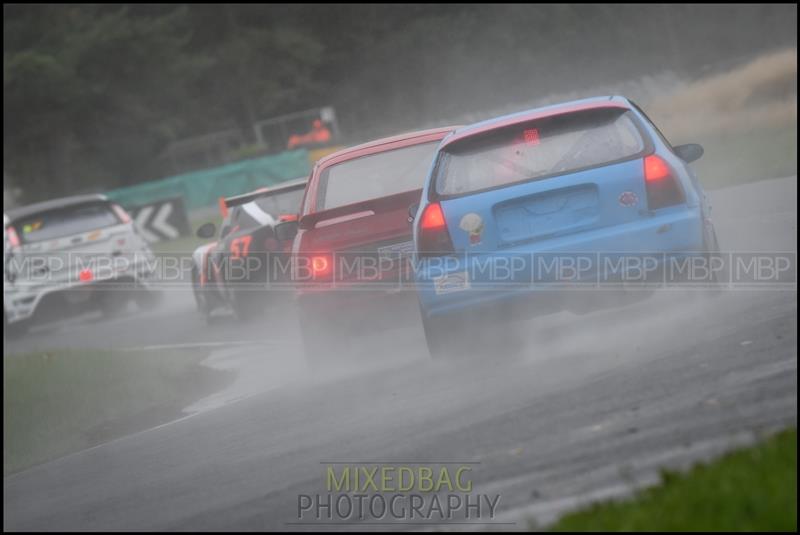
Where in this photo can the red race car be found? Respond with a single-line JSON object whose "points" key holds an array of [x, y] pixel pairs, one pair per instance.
{"points": [[351, 239], [234, 271]]}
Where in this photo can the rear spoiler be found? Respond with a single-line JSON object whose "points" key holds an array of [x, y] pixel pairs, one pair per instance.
{"points": [[378, 205], [238, 200], [258, 194]]}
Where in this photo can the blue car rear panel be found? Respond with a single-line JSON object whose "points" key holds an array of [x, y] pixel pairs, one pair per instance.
{"points": [[498, 234], [508, 273]]}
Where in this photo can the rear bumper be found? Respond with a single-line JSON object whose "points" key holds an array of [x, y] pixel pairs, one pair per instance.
{"points": [[22, 301], [570, 272], [355, 311]]}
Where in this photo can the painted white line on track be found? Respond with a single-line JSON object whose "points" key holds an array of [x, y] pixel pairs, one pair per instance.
{"points": [[202, 345], [44, 465]]}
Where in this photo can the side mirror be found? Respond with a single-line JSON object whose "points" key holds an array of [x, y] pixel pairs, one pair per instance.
{"points": [[412, 212], [207, 230], [286, 231], [689, 152]]}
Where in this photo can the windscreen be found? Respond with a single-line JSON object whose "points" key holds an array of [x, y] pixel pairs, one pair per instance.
{"points": [[539, 149], [62, 222], [287, 202], [374, 176]]}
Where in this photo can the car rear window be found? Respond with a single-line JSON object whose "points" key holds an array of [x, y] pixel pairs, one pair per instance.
{"points": [[63, 222], [374, 176], [537, 150]]}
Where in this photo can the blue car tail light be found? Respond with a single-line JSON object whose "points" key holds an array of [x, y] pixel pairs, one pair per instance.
{"points": [[662, 187], [434, 237]]}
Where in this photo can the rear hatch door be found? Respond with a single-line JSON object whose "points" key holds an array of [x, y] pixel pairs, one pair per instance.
{"points": [[76, 244], [533, 211], [371, 240]]}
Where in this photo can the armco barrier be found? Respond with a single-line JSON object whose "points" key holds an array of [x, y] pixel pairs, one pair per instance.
{"points": [[199, 189]]}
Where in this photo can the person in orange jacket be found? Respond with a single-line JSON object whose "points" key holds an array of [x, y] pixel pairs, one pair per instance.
{"points": [[319, 135]]}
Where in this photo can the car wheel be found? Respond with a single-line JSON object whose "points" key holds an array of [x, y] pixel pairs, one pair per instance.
{"points": [[471, 333], [436, 333], [146, 299], [247, 304], [711, 249], [113, 302], [201, 299], [447, 337], [323, 343]]}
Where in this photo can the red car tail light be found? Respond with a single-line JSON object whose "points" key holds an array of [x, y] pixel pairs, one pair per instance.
{"points": [[312, 268], [13, 237], [86, 275], [321, 266], [433, 237], [662, 186]]}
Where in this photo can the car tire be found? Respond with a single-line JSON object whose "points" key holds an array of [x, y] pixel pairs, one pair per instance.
{"points": [[451, 336], [247, 304], [147, 300], [113, 302], [711, 248], [470, 333], [323, 343], [436, 332], [201, 297]]}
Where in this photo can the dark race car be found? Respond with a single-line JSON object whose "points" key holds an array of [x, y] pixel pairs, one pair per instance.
{"points": [[233, 271]]}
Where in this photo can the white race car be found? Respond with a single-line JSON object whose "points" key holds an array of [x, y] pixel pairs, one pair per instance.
{"points": [[67, 255]]}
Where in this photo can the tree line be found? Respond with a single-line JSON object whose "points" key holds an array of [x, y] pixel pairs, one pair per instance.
{"points": [[93, 94]]}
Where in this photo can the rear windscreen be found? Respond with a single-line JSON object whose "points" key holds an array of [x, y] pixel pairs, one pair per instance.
{"points": [[374, 176], [536, 150], [65, 222]]}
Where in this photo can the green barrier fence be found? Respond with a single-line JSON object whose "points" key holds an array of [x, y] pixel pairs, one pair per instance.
{"points": [[202, 188]]}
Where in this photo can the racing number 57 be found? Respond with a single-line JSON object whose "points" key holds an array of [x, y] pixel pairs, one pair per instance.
{"points": [[240, 246]]}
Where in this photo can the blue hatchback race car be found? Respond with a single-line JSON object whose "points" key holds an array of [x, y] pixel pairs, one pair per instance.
{"points": [[583, 194]]}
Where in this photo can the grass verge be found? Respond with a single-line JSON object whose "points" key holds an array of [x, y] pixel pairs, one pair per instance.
{"points": [[57, 403], [185, 245], [752, 489], [738, 157]]}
